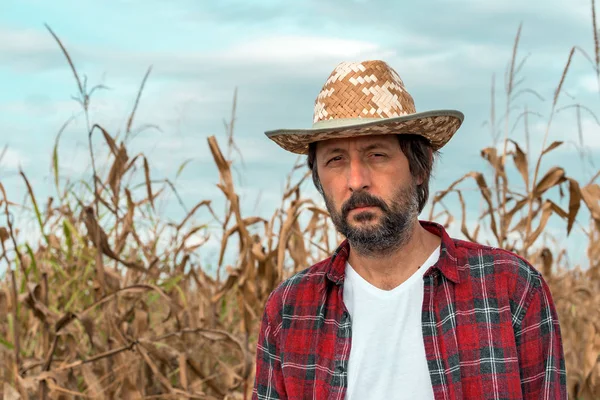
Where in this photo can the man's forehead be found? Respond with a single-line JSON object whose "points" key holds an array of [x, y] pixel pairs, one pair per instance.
{"points": [[360, 141]]}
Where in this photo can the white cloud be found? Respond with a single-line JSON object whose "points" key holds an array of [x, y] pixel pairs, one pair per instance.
{"points": [[564, 128], [39, 106], [294, 50], [588, 83], [25, 41], [29, 49], [12, 159], [575, 10]]}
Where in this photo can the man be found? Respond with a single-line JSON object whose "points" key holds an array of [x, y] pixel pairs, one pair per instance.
{"points": [[400, 310]]}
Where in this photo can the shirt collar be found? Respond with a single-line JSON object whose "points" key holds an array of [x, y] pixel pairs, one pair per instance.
{"points": [[446, 264]]}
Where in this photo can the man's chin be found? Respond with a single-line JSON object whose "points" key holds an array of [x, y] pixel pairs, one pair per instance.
{"points": [[363, 230]]}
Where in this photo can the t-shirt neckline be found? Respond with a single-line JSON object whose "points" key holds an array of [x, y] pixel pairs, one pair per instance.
{"points": [[357, 279]]}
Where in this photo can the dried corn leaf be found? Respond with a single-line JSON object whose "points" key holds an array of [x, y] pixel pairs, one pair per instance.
{"points": [[440, 195], [318, 210], [258, 252], [558, 210], [591, 197], [476, 232], [140, 322], [521, 226], [137, 101], [89, 327], [312, 226], [148, 182], [517, 207], [284, 234], [127, 224], [192, 212], [65, 320], [183, 374], [155, 370], [463, 224], [591, 352], [297, 247], [547, 210], [520, 160], [10, 393], [117, 170], [128, 390], [231, 280], [491, 155], [109, 140], [553, 177], [486, 194], [552, 146], [240, 229], [54, 241], [94, 387], [574, 202], [3, 234]]}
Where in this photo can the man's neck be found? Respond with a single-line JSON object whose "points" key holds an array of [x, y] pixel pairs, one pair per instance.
{"points": [[390, 271]]}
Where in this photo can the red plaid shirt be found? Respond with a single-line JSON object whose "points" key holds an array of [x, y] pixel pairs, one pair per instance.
{"points": [[490, 329]]}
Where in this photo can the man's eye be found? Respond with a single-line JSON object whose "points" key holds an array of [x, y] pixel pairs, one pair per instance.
{"points": [[337, 158]]}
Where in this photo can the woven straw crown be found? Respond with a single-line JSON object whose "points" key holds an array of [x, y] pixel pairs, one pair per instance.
{"points": [[367, 98], [362, 90]]}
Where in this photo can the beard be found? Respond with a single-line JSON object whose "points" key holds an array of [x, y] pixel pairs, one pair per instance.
{"points": [[377, 239]]}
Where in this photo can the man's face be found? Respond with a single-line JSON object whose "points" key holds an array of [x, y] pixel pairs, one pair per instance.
{"points": [[369, 191]]}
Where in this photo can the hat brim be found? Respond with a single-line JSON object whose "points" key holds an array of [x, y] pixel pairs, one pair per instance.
{"points": [[437, 126]]}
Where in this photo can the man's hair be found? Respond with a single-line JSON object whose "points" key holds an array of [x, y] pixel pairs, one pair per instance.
{"points": [[420, 157]]}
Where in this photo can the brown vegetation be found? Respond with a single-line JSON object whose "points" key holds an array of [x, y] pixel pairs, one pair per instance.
{"points": [[113, 302]]}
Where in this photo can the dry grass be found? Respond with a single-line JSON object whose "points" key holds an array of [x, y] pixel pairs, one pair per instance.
{"points": [[517, 221], [112, 304], [115, 303]]}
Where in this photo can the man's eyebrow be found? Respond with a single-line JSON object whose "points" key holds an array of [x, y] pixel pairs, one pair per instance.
{"points": [[373, 146], [333, 150]]}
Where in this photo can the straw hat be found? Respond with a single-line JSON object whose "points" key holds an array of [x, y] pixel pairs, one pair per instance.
{"points": [[367, 98]]}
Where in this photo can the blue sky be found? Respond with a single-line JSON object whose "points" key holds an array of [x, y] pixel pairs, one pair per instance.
{"points": [[278, 54]]}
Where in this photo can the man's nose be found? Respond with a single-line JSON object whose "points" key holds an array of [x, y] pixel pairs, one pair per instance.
{"points": [[358, 176]]}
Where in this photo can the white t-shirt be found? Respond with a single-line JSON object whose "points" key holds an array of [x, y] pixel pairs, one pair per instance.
{"points": [[387, 354]]}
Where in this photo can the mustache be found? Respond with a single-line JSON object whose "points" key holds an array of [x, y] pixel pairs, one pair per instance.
{"points": [[362, 199]]}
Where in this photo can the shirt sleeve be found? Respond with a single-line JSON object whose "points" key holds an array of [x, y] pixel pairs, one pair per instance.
{"points": [[268, 383], [539, 347]]}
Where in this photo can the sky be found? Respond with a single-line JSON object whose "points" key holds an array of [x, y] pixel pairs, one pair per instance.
{"points": [[278, 55]]}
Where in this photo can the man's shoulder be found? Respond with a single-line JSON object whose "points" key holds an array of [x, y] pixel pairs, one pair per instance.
{"points": [[502, 276], [303, 285], [479, 260]]}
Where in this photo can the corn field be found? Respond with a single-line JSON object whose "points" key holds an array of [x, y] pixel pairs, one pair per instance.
{"points": [[114, 302]]}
